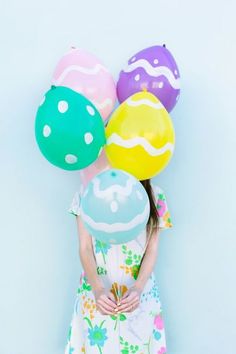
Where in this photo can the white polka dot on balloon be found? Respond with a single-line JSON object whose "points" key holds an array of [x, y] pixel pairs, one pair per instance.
{"points": [[176, 72], [90, 110], [133, 59], [114, 206], [62, 106], [46, 131], [88, 138], [155, 61], [137, 77], [71, 159], [161, 84]]}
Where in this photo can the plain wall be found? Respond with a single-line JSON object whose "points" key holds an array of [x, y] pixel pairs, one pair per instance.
{"points": [[39, 261]]}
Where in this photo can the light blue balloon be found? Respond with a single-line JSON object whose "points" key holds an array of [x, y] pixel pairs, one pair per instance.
{"points": [[115, 207]]}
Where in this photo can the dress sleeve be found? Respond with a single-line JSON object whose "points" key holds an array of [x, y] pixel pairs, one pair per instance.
{"points": [[165, 220], [74, 208]]}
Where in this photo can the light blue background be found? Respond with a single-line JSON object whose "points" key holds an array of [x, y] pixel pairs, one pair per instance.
{"points": [[39, 260]]}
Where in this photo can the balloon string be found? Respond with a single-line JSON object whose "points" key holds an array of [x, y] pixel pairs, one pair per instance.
{"points": [[119, 292]]}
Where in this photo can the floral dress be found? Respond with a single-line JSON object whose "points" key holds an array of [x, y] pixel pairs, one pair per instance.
{"points": [[138, 332]]}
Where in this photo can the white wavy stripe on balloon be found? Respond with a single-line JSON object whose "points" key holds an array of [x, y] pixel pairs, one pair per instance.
{"points": [[130, 143], [118, 226], [115, 188], [144, 101], [103, 104], [88, 71], [154, 71], [100, 105]]}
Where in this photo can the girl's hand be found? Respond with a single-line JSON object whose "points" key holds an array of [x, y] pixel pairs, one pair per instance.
{"points": [[105, 301], [130, 300]]}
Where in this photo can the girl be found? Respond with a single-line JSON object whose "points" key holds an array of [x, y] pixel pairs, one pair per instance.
{"points": [[118, 308]]}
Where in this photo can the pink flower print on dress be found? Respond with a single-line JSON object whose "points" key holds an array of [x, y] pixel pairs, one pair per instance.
{"points": [[158, 322], [162, 350], [161, 205]]}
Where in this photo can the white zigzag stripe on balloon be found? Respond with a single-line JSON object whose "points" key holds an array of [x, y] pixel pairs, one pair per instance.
{"points": [[115, 188], [118, 226], [103, 104], [144, 101], [154, 71], [89, 71], [100, 105], [130, 143]]}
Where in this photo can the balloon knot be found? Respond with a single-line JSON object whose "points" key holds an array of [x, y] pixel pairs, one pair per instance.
{"points": [[144, 88]]}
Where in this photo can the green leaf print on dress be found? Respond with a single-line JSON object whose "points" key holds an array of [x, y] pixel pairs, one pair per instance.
{"points": [[132, 262], [84, 285], [148, 345], [128, 348], [118, 290], [117, 318], [102, 247], [101, 271]]}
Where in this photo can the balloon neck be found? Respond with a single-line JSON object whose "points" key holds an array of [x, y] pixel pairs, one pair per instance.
{"points": [[144, 89]]}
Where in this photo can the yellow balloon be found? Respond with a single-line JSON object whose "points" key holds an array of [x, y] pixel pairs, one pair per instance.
{"points": [[140, 136]]}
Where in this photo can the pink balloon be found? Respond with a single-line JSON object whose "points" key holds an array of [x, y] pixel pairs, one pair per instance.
{"points": [[100, 165], [83, 72]]}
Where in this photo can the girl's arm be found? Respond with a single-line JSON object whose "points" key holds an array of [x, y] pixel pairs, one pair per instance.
{"points": [[148, 261], [105, 300], [87, 257], [132, 296]]}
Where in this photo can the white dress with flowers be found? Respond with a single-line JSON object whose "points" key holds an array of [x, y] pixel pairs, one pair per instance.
{"points": [[138, 332]]}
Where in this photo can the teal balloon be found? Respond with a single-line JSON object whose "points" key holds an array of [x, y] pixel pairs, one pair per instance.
{"points": [[115, 207], [69, 129]]}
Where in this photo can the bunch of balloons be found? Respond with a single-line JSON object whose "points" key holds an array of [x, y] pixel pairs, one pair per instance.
{"points": [[76, 128]]}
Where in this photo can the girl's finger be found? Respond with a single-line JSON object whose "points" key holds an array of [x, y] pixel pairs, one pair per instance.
{"points": [[128, 299], [124, 307], [104, 310], [125, 295], [109, 302], [111, 297], [134, 306], [105, 305]]}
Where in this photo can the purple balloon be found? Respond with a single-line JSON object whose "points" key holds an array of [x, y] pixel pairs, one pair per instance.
{"points": [[152, 69]]}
